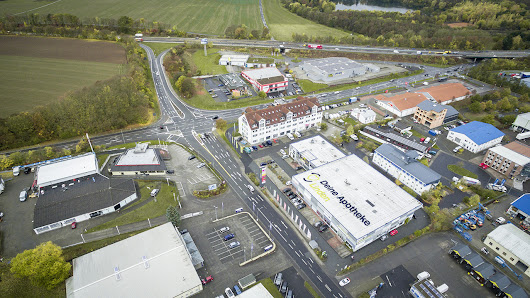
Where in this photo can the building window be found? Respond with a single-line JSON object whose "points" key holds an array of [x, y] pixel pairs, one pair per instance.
{"points": [[497, 248], [503, 253], [511, 259]]}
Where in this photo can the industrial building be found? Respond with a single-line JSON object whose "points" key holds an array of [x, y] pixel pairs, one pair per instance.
{"points": [[402, 104], [66, 170], [512, 245], [406, 168], [433, 115], [314, 152], [72, 190], [391, 138], [511, 160], [259, 125], [520, 209], [154, 263], [268, 79], [355, 200], [334, 69], [475, 136], [522, 123], [140, 160], [445, 93], [364, 115], [234, 60]]}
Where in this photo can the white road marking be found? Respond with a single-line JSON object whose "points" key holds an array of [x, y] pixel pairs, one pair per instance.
{"points": [[319, 278], [327, 287]]}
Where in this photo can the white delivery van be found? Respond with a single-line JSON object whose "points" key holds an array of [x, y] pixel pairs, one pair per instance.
{"points": [[290, 136]]}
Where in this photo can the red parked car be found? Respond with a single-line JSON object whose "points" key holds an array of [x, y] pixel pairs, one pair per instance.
{"points": [[393, 232], [207, 280]]}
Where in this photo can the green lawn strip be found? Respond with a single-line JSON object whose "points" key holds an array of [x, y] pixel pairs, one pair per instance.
{"points": [[159, 47], [311, 290], [208, 65], [13, 286], [132, 145], [101, 159], [308, 86], [461, 171], [151, 209], [416, 134], [350, 121], [409, 190], [141, 184]]}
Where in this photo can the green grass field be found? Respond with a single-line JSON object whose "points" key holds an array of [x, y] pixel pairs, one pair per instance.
{"points": [[283, 24], [30, 81], [199, 16], [210, 63]]}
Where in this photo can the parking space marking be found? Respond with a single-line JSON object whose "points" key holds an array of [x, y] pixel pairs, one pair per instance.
{"points": [[319, 278], [304, 261], [327, 287]]}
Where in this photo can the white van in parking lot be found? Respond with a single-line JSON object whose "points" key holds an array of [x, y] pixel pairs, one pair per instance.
{"points": [[290, 136]]}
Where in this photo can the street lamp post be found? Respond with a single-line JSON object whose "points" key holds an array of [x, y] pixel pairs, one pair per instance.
{"points": [[215, 212]]}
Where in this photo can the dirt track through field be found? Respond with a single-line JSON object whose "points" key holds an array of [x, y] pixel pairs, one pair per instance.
{"points": [[62, 48]]}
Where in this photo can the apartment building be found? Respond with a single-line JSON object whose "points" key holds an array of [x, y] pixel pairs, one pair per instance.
{"points": [[433, 115], [259, 125]]}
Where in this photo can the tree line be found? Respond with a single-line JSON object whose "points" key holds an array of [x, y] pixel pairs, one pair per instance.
{"points": [[107, 105], [423, 28]]}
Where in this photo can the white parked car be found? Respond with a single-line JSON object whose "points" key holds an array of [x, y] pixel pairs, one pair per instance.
{"points": [[229, 293], [288, 183], [282, 152], [290, 136], [344, 282]]}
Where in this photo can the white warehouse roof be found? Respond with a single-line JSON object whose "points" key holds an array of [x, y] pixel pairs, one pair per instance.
{"points": [[317, 150], [67, 169], [513, 240], [257, 291], [359, 197], [154, 263], [234, 59]]}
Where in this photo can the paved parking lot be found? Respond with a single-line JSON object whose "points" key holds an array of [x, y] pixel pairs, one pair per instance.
{"points": [[295, 282], [17, 226], [251, 238]]}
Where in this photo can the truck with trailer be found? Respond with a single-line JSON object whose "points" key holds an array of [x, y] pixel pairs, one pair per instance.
{"points": [[467, 180], [314, 46]]}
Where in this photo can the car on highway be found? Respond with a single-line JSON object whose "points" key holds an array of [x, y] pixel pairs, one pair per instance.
{"points": [[344, 282], [250, 187], [229, 236], [207, 280], [215, 117], [393, 232]]}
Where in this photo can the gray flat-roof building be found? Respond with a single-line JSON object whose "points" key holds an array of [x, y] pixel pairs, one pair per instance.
{"points": [[80, 199], [406, 168], [235, 60], [334, 69], [154, 263], [140, 160]]}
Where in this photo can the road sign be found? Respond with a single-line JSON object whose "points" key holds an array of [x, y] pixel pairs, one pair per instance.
{"points": [[204, 41]]}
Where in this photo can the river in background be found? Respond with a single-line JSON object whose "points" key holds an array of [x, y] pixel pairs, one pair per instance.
{"points": [[363, 5]]}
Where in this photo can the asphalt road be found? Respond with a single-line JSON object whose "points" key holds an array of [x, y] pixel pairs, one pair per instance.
{"points": [[189, 122], [345, 48]]}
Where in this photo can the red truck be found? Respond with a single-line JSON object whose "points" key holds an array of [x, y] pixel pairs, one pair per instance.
{"points": [[314, 46]]}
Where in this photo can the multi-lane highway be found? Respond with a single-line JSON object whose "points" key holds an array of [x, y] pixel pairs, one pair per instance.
{"points": [[183, 124], [344, 48]]}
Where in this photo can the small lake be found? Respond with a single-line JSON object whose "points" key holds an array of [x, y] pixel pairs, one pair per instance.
{"points": [[360, 6]]}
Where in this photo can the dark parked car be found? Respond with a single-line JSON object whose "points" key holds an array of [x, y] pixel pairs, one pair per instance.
{"points": [[229, 236], [269, 143], [27, 170], [301, 206], [292, 195], [265, 144], [255, 148], [286, 190], [433, 152], [323, 228], [299, 168], [191, 157], [283, 288], [215, 117], [170, 171]]}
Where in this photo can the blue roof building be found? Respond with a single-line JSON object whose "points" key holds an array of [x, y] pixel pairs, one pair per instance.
{"points": [[476, 136], [520, 208]]}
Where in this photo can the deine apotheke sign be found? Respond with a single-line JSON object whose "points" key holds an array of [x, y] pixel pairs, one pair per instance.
{"points": [[316, 184]]}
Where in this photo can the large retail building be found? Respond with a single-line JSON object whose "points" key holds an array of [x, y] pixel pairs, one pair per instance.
{"points": [[355, 200]]}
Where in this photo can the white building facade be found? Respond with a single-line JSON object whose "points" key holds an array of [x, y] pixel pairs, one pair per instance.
{"points": [[475, 136], [364, 116], [512, 245], [259, 125], [314, 152], [405, 168]]}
